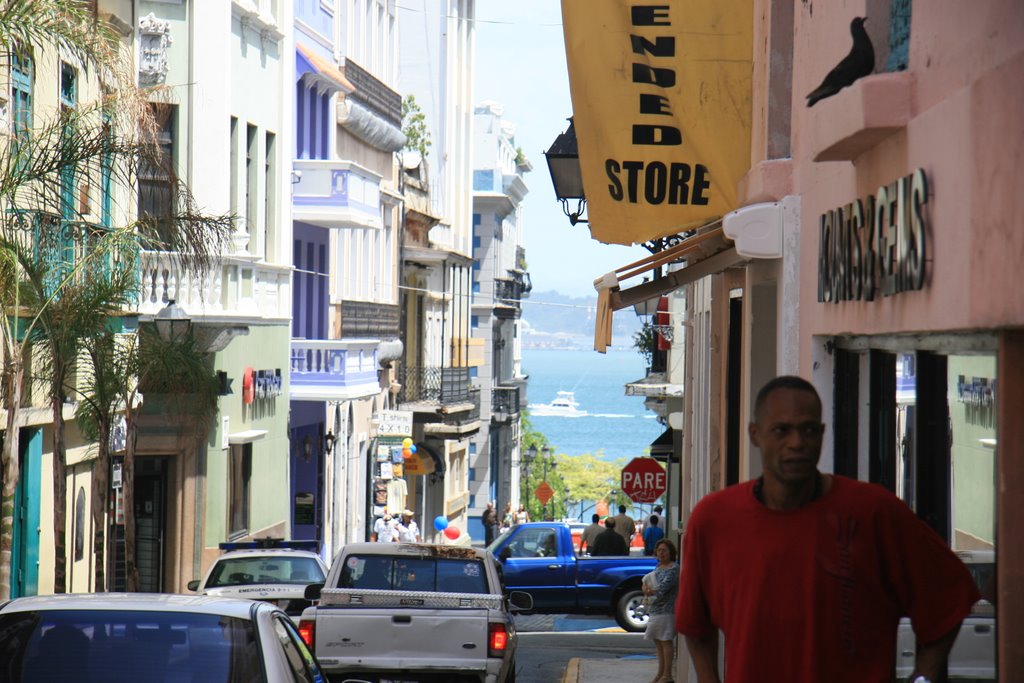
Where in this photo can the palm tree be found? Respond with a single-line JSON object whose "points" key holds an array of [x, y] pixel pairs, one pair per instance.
{"points": [[63, 279]]}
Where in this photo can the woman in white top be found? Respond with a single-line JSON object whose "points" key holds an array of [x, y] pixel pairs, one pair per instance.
{"points": [[522, 516], [660, 591]]}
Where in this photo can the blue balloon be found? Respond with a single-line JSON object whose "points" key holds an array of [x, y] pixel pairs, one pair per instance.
{"points": [[440, 522], [412, 448]]}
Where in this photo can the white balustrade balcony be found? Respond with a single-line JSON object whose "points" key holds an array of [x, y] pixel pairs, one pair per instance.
{"points": [[235, 289], [333, 369], [334, 193]]}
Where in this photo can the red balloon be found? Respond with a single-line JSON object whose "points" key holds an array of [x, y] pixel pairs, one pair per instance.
{"points": [[452, 532], [406, 453]]}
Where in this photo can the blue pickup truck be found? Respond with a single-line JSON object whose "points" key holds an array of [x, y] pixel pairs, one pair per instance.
{"points": [[539, 559]]}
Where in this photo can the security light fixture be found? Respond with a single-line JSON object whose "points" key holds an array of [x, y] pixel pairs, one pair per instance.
{"points": [[564, 164], [172, 322]]}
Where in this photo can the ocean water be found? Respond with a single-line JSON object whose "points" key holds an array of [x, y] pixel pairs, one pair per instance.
{"points": [[616, 426]]}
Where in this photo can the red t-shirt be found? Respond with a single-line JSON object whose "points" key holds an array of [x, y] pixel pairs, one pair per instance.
{"points": [[816, 594]]}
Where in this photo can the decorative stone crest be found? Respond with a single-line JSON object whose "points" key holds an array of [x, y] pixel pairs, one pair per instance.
{"points": [[154, 39]]}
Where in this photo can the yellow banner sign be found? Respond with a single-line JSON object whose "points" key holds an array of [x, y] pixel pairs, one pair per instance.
{"points": [[661, 97]]}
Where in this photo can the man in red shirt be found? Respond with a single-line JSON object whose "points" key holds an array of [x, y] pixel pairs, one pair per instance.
{"points": [[807, 574]]}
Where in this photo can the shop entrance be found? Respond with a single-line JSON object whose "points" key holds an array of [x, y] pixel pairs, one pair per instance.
{"points": [[926, 432], [150, 527]]}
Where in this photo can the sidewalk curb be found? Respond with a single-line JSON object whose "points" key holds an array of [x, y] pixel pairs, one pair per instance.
{"points": [[572, 671]]}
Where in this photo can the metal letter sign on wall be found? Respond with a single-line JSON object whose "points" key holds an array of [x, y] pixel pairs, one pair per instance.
{"points": [[874, 247]]}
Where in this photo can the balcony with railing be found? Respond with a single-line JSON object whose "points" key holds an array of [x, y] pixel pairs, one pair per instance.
{"points": [[235, 288], [333, 369], [508, 294], [334, 193], [73, 249], [504, 403], [434, 386]]}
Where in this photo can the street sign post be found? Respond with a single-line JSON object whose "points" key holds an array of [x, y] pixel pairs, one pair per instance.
{"points": [[644, 480], [543, 492]]}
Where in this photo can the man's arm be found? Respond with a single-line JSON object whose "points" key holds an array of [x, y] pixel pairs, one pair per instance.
{"points": [[933, 657], [704, 655]]}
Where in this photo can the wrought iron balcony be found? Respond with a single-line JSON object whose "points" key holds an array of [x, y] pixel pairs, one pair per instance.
{"points": [[504, 403], [333, 369], [70, 248], [434, 385]]}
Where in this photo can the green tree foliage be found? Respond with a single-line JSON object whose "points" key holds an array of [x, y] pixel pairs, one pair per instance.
{"points": [[414, 126]]}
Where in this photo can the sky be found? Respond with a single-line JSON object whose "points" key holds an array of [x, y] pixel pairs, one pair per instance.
{"points": [[520, 62]]}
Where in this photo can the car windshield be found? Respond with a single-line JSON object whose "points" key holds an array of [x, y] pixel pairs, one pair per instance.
{"points": [[240, 571], [430, 574], [100, 646]]}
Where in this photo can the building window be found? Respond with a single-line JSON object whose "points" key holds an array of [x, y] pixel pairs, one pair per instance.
{"points": [[156, 171], [68, 102], [269, 191], [80, 524], [21, 95], [239, 475], [899, 36], [106, 172], [251, 171], [233, 199]]}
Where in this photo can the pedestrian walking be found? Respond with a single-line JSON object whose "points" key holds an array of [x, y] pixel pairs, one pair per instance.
{"points": [[385, 528], [522, 516], [652, 534], [408, 532], [507, 519], [590, 533], [609, 541], [808, 574], [660, 591], [489, 518], [625, 525], [657, 514]]}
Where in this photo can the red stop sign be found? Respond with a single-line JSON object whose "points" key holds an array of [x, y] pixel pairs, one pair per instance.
{"points": [[644, 480]]}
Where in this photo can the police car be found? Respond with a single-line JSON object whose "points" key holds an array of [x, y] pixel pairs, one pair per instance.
{"points": [[267, 569]]}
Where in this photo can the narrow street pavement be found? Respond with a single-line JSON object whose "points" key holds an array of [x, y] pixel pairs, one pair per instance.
{"points": [[577, 649]]}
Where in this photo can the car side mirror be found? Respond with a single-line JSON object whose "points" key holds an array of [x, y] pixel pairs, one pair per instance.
{"points": [[312, 591], [520, 601], [505, 553], [193, 585]]}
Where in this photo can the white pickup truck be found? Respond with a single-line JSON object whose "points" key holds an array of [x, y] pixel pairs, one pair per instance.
{"points": [[413, 613]]}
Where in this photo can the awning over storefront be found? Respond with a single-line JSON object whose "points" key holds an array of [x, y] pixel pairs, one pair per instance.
{"points": [[611, 298], [425, 460], [662, 449], [322, 71]]}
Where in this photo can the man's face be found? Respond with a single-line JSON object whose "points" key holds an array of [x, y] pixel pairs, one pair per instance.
{"points": [[789, 431]]}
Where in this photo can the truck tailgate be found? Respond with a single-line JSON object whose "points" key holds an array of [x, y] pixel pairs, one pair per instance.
{"points": [[391, 630]]}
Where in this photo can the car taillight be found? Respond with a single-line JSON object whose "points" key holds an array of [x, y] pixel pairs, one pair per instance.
{"points": [[307, 631], [497, 640]]}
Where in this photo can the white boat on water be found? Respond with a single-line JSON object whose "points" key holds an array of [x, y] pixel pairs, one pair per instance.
{"points": [[563, 405]]}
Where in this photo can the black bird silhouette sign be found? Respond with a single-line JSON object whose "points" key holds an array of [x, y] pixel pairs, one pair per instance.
{"points": [[858, 63]]}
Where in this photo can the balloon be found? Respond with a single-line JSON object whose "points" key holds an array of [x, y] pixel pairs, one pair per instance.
{"points": [[452, 532], [440, 522], [412, 448], [406, 453], [406, 442]]}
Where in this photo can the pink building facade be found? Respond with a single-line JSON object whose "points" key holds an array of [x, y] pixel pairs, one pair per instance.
{"points": [[902, 278]]}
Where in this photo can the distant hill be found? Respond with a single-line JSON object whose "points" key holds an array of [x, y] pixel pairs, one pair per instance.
{"points": [[555, 320]]}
